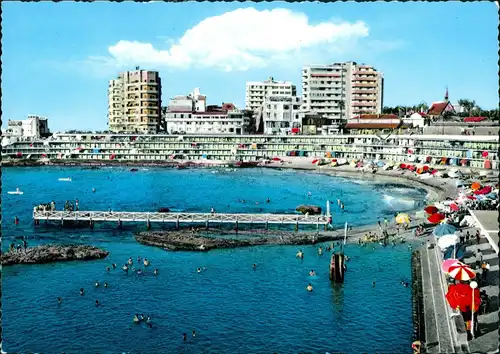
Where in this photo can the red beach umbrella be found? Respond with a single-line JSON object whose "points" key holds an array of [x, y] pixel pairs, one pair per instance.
{"points": [[431, 209], [460, 296], [447, 264], [426, 168], [484, 190], [454, 207], [485, 154], [461, 272], [276, 159], [436, 218], [402, 166], [433, 172]]}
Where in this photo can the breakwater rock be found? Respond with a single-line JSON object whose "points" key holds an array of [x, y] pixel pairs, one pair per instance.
{"points": [[186, 241], [311, 209], [52, 253]]}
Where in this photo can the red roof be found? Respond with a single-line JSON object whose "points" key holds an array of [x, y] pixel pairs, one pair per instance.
{"points": [[474, 119], [438, 108], [371, 126], [376, 116]]}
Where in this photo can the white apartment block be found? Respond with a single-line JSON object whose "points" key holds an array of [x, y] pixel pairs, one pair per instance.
{"points": [[256, 92], [189, 115], [233, 123], [32, 127], [342, 90], [282, 115], [134, 102]]}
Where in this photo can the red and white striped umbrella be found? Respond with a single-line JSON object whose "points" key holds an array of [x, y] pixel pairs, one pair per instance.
{"points": [[461, 271]]}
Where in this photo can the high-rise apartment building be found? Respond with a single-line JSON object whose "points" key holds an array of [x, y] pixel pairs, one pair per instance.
{"points": [[256, 92], [134, 102], [341, 90]]}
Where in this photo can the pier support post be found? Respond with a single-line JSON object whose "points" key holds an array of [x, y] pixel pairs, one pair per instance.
{"points": [[37, 222], [267, 224], [91, 224], [297, 226], [148, 224], [207, 224], [236, 227], [119, 224], [177, 223], [317, 225], [62, 222]]}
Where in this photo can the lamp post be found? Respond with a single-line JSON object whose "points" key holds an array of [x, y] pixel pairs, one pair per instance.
{"points": [[473, 285]]}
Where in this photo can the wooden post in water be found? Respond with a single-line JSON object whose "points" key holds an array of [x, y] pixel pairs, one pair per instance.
{"points": [[148, 224], [177, 223], [297, 225], [207, 224]]}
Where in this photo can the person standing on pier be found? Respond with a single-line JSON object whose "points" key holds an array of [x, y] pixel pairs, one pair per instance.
{"points": [[77, 205], [212, 210], [25, 244]]}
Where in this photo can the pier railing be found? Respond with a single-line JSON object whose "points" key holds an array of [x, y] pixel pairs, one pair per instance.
{"points": [[185, 218]]}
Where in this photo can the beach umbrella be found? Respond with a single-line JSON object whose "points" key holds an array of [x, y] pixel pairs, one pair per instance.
{"points": [[484, 154], [436, 218], [431, 209], [447, 241], [447, 263], [444, 229], [454, 207], [485, 190], [461, 272], [402, 166], [426, 168], [475, 186], [278, 159], [403, 219], [314, 161], [460, 296]]}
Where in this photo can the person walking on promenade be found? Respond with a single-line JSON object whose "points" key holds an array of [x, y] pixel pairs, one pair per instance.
{"points": [[467, 237], [462, 238], [479, 258], [478, 236]]}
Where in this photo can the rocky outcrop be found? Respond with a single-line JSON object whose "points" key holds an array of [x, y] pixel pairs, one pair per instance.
{"points": [[186, 241], [311, 209], [52, 253]]}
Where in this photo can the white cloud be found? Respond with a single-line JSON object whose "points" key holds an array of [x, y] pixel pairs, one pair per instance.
{"points": [[240, 40]]}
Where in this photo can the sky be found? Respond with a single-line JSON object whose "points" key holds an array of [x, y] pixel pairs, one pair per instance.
{"points": [[58, 57]]}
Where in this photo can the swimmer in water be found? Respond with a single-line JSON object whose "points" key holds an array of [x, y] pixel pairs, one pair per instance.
{"points": [[105, 285], [59, 300], [114, 265], [97, 303], [138, 259], [268, 200], [406, 284], [312, 273], [136, 319], [254, 266], [204, 268], [139, 271], [107, 269], [198, 270], [300, 254], [93, 190], [155, 272], [309, 194], [130, 261], [320, 251], [373, 284], [81, 291], [194, 333], [96, 284], [133, 269], [125, 268], [184, 337], [309, 287]]}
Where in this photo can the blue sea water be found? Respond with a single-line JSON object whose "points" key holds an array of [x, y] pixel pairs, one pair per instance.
{"points": [[233, 308]]}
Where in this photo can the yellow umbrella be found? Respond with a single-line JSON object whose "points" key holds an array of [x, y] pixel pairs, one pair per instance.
{"points": [[403, 219]]}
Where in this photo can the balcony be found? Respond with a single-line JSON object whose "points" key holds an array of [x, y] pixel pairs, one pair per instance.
{"points": [[364, 104], [364, 85]]}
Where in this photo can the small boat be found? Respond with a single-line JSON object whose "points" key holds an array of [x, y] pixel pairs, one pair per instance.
{"points": [[67, 179], [17, 191]]}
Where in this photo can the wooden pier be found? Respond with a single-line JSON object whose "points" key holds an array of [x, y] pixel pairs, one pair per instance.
{"points": [[181, 218]]}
